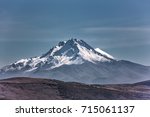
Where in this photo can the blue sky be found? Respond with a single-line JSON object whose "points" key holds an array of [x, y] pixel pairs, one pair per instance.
{"points": [[31, 27]]}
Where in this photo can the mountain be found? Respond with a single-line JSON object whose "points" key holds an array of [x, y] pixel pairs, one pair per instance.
{"points": [[75, 60], [23, 88]]}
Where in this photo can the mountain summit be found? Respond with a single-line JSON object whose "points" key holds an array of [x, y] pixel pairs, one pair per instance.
{"points": [[75, 51], [75, 60], [68, 52]]}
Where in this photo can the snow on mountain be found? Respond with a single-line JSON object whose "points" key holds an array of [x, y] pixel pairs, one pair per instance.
{"points": [[104, 53], [68, 52], [75, 60], [75, 52]]}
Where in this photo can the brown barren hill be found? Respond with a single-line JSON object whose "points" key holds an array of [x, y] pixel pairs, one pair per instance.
{"points": [[22, 88]]}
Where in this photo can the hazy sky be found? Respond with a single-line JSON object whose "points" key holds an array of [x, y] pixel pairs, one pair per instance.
{"points": [[31, 27]]}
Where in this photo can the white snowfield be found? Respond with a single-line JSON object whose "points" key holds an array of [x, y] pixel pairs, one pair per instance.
{"points": [[104, 53]]}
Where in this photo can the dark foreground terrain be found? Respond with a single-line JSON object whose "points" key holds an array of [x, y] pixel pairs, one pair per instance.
{"points": [[44, 89]]}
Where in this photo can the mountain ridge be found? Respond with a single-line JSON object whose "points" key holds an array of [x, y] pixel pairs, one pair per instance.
{"points": [[72, 51], [75, 60]]}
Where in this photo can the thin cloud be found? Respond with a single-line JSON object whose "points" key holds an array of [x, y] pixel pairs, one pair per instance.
{"points": [[112, 29]]}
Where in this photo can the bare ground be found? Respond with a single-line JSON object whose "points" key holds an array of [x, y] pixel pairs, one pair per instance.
{"points": [[45, 89]]}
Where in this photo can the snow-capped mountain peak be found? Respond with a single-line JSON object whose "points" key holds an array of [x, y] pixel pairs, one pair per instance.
{"points": [[67, 47], [69, 52], [76, 50], [75, 60]]}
